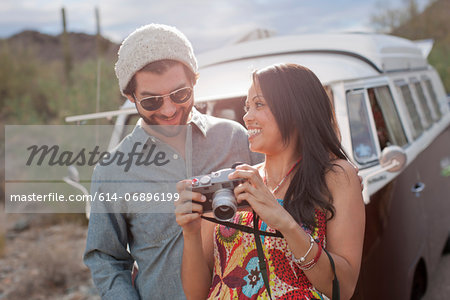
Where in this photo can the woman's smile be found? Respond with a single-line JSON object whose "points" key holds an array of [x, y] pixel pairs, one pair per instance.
{"points": [[252, 132]]}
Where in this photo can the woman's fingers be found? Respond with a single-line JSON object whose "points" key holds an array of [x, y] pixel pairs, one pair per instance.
{"points": [[189, 196], [184, 189], [244, 187], [189, 207], [184, 185], [239, 169], [244, 197], [186, 219], [249, 175], [187, 201]]}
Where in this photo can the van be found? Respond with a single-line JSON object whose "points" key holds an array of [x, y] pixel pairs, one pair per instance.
{"points": [[394, 120]]}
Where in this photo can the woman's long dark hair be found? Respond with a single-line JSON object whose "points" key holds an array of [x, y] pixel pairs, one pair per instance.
{"points": [[301, 108]]}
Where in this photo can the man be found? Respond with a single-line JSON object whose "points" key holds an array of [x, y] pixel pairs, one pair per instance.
{"points": [[157, 70]]}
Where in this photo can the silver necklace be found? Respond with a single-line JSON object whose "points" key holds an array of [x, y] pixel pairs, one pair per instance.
{"points": [[283, 179]]}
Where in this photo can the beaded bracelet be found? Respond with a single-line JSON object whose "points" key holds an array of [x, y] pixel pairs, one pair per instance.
{"points": [[303, 258]]}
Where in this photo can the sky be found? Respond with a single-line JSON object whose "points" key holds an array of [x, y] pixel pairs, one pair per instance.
{"points": [[207, 23]]}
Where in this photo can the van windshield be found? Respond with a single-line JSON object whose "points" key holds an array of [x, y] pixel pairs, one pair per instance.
{"points": [[363, 143]]}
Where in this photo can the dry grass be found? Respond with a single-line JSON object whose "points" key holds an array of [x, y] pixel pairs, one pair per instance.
{"points": [[50, 268]]}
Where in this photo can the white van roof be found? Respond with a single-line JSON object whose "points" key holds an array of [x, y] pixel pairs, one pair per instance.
{"points": [[226, 72], [386, 53]]}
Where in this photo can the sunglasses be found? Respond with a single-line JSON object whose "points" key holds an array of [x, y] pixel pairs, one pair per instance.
{"points": [[152, 103]]}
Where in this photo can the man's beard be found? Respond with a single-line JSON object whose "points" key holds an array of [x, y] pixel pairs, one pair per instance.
{"points": [[169, 130]]}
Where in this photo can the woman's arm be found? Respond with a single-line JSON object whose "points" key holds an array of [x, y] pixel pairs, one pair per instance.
{"points": [[196, 267], [345, 234]]}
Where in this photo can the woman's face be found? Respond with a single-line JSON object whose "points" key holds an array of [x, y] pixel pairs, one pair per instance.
{"points": [[264, 134]]}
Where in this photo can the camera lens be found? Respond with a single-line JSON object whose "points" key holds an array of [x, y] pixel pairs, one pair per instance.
{"points": [[224, 204]]}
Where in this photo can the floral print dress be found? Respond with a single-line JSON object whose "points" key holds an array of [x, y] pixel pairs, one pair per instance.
{"points": [[236, 272]]}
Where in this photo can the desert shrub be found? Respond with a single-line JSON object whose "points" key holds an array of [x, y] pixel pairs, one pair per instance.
{"points": [[34, 91], [440, 59]]}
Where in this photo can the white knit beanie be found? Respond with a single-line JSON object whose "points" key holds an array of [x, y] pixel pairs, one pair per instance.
{"points": [[151, 43]]}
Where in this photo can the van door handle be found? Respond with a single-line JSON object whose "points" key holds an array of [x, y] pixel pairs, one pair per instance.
{"points": [[418, 188]]}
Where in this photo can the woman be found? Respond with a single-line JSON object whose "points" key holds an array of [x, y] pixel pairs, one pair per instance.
{"points": [[305, 189]]}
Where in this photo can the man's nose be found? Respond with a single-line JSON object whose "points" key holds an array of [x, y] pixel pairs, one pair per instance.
{"points": [[168, 108]]}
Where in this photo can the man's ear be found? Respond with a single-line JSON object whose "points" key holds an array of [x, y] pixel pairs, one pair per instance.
{"points": [[195, 79], [131, 98]]}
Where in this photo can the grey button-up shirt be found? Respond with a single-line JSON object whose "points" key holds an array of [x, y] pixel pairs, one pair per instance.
{"points": [[154, 239]]}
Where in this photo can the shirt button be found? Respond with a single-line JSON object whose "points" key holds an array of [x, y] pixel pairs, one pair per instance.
{"points": [[175, 156]]}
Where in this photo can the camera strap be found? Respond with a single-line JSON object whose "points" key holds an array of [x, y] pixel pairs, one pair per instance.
{"points": [[261, 256], [242, 227], [255, 230]]}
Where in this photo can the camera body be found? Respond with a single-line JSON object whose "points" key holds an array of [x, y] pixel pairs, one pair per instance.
{"points": [[219, 193]]}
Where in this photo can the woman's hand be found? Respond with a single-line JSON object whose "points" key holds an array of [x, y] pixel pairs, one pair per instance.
{"points": [[188, 212], [196, 267], [260, 198]]}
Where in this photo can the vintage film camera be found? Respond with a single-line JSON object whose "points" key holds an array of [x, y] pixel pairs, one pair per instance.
{"points": [[219, 193]]}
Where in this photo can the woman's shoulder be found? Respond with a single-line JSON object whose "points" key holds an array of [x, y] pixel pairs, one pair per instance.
{"points": [[344, 165], [342, 171], [345, 186]]}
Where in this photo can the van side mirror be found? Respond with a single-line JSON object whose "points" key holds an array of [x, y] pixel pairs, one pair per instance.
{"points": [[73, 174], [73, 179], [393, 159]]}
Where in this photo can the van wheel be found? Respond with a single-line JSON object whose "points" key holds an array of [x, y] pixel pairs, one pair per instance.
{"points": [[419, 284]]}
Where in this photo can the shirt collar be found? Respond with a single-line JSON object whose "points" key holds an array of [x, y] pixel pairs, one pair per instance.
{"points": [[199, 120], [140, 135]]}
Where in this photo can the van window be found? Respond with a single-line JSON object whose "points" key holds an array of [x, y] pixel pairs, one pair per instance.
{"points": [[417, 128], [363, 142], [433, 98], [423, 103], [231, 108], [387, 122]]}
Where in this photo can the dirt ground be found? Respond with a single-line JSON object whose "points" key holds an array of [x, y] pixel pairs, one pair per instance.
{"points": [[41, 258]]}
